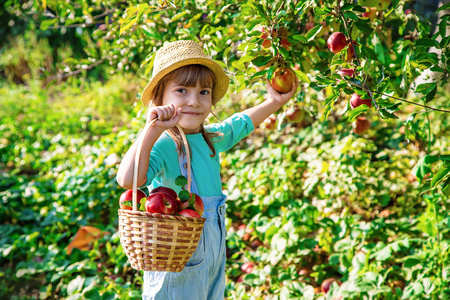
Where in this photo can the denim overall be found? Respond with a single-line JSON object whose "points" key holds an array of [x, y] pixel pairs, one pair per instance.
{"points": [[203, 277]]}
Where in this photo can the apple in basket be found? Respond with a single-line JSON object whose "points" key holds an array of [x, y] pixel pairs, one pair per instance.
{"points": [[161, 203], [126, 199], [165, 190], [189, 213], [194, 202]]}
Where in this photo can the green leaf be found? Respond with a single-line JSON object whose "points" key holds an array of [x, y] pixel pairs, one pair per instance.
{"points": [[310, 35], [440, 175], [181, 181], [379, 49], [357, 111], [284, 52], [387, 114], [424, 166], [191, 200], [350, 15], [427, 42], [127, 25], [443, 7], [425, 88], [364, 27], [262, 60], [443, 25], [302, 76], [431, 95], [184, 195], [142, 206], [47, 23]]}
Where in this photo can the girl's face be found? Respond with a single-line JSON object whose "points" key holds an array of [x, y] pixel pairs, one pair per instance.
{"points": [[195, 103]]}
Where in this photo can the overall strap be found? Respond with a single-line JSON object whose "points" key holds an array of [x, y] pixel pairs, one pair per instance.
{"points": [[182, 161]]}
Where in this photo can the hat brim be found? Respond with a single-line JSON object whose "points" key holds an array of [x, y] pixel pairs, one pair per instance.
{"points": [[220, 86]]}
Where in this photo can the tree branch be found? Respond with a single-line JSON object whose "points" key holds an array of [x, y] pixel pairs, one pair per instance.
{"points": [[397, 98]]}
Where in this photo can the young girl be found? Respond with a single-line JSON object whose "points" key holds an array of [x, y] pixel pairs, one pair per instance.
{"points": [[185, 85]]}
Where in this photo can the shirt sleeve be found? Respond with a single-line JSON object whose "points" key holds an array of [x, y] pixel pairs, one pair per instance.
{"points": [[231, 131]]}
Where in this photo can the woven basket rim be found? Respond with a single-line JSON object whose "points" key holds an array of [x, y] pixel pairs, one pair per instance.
{"points": [[161, 216]]}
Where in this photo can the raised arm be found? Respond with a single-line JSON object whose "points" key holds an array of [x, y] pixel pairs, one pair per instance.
{"points": [[275, 101], [167, 117]]}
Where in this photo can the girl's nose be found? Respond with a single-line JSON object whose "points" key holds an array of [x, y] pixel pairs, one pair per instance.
{"points": [[193, 100]]}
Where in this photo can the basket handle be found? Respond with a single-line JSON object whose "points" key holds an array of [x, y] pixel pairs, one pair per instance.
{"points": [[138, 154]]}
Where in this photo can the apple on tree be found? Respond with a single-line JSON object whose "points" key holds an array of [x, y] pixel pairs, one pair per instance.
{"points": [[362, 125], [294, 115], [248, 267], [356, 101], [369, 13], [126, 199], [326, 284], [336, 42], [271, 122], [346, 72], [285, 44]]}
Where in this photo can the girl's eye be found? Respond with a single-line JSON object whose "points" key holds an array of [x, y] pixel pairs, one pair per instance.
{"points": [[181, 91], [205, 92]]}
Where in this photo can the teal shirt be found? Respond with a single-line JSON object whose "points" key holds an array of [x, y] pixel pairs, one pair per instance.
{"points": [[164, 166]]}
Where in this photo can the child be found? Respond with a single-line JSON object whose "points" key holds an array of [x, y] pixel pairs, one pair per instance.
{"points": [[185, 85]]}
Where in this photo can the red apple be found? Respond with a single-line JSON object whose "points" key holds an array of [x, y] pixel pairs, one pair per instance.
{"points": [[189, 213], [346, 72], [248, 267], [326, 284], [266, 44], [407, 11], [336, 42], [195, 202], [283, 79], [350, 52], [356, 101], [198, 205], [165, 190], [126, 199], [285, 44], [362, 125], [294, 115], [161, 203], [369, 13], [271, 122]]}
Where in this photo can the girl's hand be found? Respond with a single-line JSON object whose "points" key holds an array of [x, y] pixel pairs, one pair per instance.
{"points": [[282, 98], [168, 116]]}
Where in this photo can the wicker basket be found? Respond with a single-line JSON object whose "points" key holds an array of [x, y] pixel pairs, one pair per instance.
{"points": [[155, 242]]}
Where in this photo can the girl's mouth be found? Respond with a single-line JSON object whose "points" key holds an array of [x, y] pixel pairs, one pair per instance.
{"points": [[192, 114]]}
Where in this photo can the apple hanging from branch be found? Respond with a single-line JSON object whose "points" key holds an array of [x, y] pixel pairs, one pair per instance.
{"points": [[356, 101]]}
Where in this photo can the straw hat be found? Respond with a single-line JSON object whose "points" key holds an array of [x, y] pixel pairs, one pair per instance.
{"points": [[182, 53]]}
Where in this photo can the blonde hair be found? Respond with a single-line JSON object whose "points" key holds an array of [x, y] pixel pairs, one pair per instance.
{"points": [[188, 75]]}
